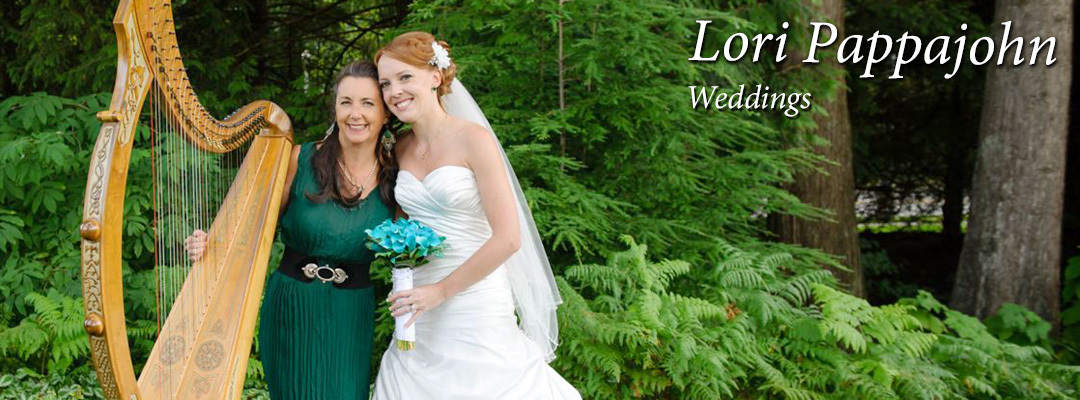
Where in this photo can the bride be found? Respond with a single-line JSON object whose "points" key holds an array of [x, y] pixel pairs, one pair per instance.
{"points": [[454, 178]]}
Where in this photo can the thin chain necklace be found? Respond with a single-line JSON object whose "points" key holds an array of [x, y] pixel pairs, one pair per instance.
{"points": [[442, 128], [348, 176]]}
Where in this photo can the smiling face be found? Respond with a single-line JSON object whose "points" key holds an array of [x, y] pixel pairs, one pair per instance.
{"points": [[358, 110], [407, 89]]}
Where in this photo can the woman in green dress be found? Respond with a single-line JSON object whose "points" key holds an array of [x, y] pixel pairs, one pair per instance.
{"points": [[318, 312]]}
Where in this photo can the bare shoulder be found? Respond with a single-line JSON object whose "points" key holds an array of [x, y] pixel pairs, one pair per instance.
{"points": [[478, 145], [474, 136], [295, 153], [290, 175], [294, 164], [294, 161]]}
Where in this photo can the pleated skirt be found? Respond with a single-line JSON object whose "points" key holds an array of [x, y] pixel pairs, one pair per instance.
{"points": [[315, 340]]}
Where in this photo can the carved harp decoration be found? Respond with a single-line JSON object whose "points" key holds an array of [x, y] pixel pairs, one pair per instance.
{"points": [[206, 309]]}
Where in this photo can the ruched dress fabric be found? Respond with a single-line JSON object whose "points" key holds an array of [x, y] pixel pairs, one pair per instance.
{"points": [[470, 346], [315, 339]]}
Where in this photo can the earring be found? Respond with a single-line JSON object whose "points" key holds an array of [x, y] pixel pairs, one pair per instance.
{"points": [[388, 140], [329, 130], [435, 89]]}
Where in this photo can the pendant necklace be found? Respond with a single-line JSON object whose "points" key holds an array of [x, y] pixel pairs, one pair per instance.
{"points": [[348, 176], [423, 156]]}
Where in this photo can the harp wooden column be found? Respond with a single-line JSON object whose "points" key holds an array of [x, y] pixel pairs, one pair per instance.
{"points": [[207, 360]]}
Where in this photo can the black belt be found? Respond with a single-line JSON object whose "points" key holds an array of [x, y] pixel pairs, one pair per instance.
{"points": [[304, 268]]}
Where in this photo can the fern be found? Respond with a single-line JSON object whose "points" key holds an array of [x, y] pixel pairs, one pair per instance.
{"points": [[53, 334], [658, 343], [758, 326]]}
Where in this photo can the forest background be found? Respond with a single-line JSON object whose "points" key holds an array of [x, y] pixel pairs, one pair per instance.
{"points": [[913, 238]]}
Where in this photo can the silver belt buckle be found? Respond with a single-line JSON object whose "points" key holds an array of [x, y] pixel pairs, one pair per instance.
{"points": [[324, 273]]}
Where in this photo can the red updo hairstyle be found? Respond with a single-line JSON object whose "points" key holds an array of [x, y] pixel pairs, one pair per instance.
{"points": [[414, 48]]}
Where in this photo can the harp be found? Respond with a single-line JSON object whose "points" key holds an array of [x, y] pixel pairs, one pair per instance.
{"points": [[207, 309]]}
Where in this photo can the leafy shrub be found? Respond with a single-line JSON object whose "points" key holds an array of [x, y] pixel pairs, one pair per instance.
{"points": [[45, 145], [756, 328], [1016, 324], [882, 277], [51, 335], [1070, 316], [25, 384]]}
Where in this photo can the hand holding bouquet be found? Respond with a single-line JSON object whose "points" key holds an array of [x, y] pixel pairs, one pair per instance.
{"points": [[405, 244]]}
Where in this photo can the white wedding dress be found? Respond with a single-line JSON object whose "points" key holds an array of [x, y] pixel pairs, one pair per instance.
{"points": [[470, 346]]}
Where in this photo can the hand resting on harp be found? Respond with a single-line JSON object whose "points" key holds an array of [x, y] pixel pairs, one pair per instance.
{"points": [[195, 245]]}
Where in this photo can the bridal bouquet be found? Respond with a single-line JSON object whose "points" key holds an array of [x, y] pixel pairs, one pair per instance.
{"points": [[405, 244]]}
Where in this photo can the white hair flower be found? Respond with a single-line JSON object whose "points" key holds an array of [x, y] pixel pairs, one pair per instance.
{"points": [[441, 58]]}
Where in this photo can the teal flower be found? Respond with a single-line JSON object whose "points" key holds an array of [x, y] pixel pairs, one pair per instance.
{"points": [[404, 241]]}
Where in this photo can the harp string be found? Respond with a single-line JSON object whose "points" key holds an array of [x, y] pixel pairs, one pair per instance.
{"points": [[155, 172], [185, 195], [172, 204], [189, 188]]}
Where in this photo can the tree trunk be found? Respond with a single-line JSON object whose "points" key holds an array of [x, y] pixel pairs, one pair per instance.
{"points": [[1012, 248], [835, 190]]}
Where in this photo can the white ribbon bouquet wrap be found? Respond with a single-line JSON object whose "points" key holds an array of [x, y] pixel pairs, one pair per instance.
{"points": [[406, 337], [404, 244]]}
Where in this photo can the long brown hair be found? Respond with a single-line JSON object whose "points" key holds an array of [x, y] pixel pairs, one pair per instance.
{"points": [[326, 158]]}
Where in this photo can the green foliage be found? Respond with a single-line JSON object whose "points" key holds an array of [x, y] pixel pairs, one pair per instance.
{"points": [[884, 280], [80, 384], [633, 338], [1070, 316], [62, 46], [1016, 324], [53, 334], [45, 144], [1070, 288], [755, 326], [624, 98], [984, 366], [896, 223], [25, 384], [723, 315]]}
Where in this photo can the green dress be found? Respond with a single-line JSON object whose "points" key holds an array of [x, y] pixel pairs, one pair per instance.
{"points": [[315, 339]]}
